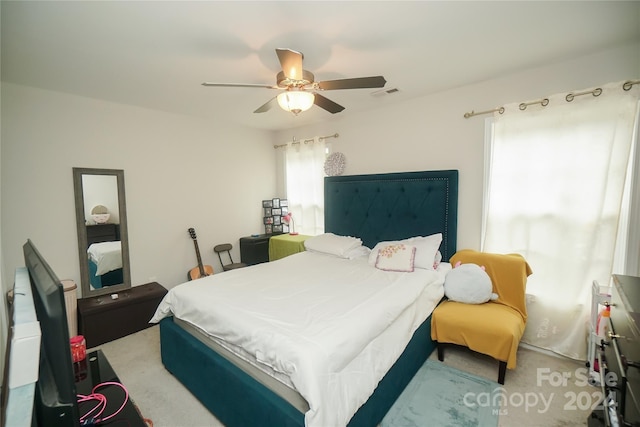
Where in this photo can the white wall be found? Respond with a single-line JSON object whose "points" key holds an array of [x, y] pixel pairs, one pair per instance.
{"points": [[180, 172], [100, 190], [184, 172], [431, 133]]}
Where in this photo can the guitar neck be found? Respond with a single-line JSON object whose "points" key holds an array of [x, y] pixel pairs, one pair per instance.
{"points": [[200, 266]]}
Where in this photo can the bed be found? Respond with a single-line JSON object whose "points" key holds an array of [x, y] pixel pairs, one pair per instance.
{"points": [[104, 255], [105, 264], [373, 208]]}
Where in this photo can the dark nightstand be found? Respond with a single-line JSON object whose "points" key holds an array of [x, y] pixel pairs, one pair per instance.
{"points": [[255, 249], [102, 233]]}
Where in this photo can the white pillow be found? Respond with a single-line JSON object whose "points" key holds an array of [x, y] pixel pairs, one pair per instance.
{"points": [[426, 250], [396, 257], [332, 244], [359, 252]]}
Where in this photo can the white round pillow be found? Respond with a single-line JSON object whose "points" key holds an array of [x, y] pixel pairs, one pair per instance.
{"points": [[468, 283]]}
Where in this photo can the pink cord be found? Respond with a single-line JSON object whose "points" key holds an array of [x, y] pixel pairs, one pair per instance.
{"points": [[101, 402]]}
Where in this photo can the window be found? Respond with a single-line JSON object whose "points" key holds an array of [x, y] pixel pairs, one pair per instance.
{"points": [[304, 181], [555, 183]]}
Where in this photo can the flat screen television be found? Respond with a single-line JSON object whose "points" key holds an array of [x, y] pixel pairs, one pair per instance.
{"points": [[55, 402]]}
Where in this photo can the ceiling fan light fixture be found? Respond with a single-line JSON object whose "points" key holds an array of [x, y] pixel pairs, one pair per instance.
{"points": [[299, 88], [295, 101]]}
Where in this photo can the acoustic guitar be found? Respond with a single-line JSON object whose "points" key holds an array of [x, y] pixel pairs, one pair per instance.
{"points": [[200, 270]]}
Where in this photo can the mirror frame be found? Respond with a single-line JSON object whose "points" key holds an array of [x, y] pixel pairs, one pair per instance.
{"points": [[87, 292]]}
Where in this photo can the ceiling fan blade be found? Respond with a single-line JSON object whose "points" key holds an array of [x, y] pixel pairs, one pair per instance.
{"points": [[291, 62], [357, 83], [266, 106], [327, 104], [237, 85]]}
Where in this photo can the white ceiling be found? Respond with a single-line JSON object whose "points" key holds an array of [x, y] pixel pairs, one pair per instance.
{"points": [[156, 54]]}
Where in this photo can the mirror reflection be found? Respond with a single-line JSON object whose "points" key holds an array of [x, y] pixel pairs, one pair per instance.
{"points": [[102, 230]]}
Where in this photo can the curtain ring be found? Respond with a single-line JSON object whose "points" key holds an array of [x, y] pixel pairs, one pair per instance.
{"points": [[571, 96]]}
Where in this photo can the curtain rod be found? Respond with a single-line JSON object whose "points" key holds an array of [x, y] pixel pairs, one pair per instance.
{"points": [[306, 141], [545, 101]]}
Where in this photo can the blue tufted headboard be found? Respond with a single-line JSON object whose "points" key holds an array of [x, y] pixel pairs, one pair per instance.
{"points": [[393, 206]]}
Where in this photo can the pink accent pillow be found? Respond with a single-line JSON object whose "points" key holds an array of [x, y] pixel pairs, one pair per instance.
{"points": [[396, 257]]}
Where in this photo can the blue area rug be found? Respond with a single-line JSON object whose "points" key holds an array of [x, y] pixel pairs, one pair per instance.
{"points": [[441, 396]]}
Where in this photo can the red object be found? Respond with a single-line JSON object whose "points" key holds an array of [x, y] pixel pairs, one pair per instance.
{"points": [[78, 348]]}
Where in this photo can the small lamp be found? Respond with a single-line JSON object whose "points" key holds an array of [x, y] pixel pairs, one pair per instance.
{"points": [[288, 218]]}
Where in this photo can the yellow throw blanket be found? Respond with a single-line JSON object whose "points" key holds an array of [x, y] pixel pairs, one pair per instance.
{"points": [[508, 275]]}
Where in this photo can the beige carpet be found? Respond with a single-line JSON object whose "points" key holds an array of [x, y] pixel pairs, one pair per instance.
{"points": [[542, 391]]}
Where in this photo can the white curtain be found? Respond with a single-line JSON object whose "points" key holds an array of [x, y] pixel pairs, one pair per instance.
{"points": [[627, 257], [304, 178], [555, 182]]}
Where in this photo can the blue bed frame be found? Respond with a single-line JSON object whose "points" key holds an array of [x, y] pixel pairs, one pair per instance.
{"points": [[375, 208], [113, 277]]}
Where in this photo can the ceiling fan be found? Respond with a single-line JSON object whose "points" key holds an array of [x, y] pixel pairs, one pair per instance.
{"points": [[300, 90]]}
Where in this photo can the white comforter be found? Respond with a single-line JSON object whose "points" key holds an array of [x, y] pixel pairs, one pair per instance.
{"points": [[310, 316], [106, 255]]}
